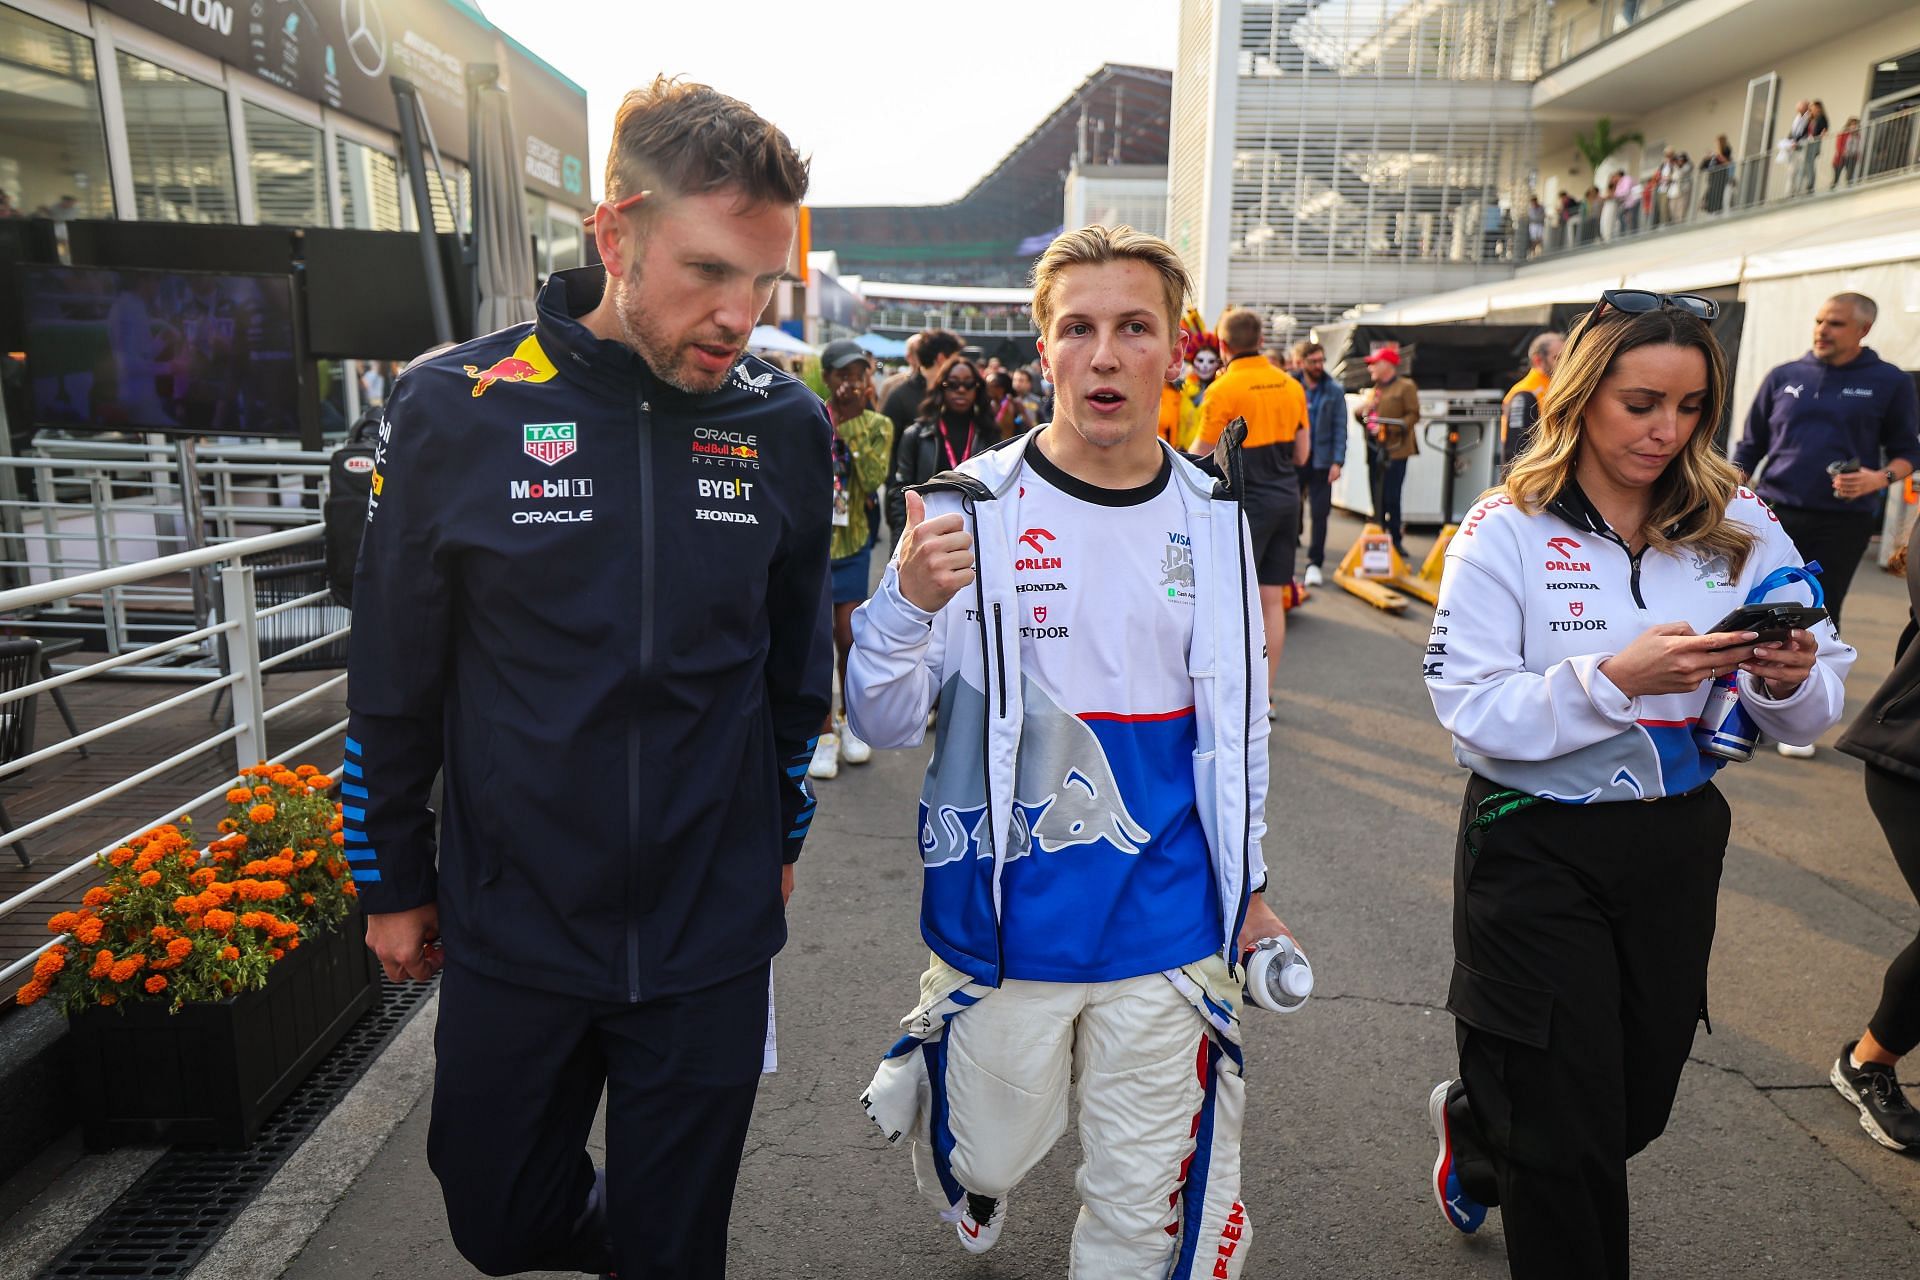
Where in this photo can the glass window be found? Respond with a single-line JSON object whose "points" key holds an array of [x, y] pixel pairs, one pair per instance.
{"points": [[565, 235], [437, 192], [53, 146], [289, 176], [182, 157], [369, 187], [537, 228]]}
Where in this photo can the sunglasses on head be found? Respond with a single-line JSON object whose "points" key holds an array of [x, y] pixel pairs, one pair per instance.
{"points": [[1634, 302]]}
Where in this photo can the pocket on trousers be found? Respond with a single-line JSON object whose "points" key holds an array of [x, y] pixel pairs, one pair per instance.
{"points": [[1499, 1007]]}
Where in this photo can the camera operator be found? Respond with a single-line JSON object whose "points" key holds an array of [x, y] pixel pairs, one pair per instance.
{"points": [[1568, 661]]}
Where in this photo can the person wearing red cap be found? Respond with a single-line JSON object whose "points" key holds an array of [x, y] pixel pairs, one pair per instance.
{"points": [[1390, 410]]}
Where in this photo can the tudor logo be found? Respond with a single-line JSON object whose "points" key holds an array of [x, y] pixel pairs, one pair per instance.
{"points": [[1577, 607], [1040, 613], [366, 35], [1563, 547]]}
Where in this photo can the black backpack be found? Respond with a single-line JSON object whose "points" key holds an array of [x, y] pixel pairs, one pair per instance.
{"points": [[349, 488]]}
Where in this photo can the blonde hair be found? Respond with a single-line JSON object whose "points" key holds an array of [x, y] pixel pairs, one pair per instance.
{"points": [[1690, 497], [1094, 245]]}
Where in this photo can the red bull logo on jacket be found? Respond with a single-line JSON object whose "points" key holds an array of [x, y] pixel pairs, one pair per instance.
{"points": [[528, 363]]}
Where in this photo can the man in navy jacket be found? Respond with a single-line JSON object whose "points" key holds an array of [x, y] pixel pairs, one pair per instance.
{"points": [[593, 595], [1839, 406]]}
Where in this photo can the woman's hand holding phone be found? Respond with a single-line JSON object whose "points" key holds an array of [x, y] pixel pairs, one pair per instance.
{"points": [[1783, 666], [1670, 658]]}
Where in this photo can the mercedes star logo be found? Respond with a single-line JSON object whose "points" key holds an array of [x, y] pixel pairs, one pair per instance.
{"points": [[366, 35]]}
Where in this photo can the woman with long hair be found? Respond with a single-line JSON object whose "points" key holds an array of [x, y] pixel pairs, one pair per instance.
{"points": [[1887, 736], [1573, 652], [955, 423]]}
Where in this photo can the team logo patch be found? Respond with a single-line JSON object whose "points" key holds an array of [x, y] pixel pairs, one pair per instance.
{"points": [[528, 363], [1577, 608], [549, 442]]}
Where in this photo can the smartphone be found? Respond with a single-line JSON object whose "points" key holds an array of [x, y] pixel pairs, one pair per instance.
{"points": [[1772, 621], [1846, 468]]}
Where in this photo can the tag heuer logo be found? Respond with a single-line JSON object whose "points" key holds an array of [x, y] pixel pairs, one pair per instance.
{"points": [[549, 441]]}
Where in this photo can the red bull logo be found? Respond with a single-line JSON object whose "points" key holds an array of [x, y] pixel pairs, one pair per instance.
{"points": [[528, 363]]}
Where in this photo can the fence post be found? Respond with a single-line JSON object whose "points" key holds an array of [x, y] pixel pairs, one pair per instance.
{"points": [[243, 659]]}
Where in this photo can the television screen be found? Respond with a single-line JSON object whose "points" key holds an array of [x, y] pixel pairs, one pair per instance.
{"points": [[184, 352]]}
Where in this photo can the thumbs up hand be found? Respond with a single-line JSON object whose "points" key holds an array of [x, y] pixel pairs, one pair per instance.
{"points": [[936, 557]]}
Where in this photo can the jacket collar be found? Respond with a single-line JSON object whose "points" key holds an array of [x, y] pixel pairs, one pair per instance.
{"points": [[991, 472], [575, 351]]}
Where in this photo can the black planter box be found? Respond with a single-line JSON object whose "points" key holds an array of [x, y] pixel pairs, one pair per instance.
{"points": [[212, 1073]]}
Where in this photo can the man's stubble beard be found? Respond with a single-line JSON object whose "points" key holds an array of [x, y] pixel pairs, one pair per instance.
{"points": [[660, 353]]}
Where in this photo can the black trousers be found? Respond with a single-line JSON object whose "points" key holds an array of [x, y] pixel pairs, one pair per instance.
{"points": [[1319, 511], [1895, 800], [1837, 539], [517, 1081], [1581, 935]]}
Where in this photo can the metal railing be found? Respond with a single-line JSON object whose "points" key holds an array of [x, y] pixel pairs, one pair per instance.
{"points": [[1885, 148], [236, 632], [1572, 30], [75, 507], [1017, 324]]}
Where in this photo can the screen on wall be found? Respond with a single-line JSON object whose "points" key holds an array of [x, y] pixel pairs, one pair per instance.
{"points": [[192, 353]]}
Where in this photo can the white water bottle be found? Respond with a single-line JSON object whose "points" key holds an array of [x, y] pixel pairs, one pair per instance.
{"points": [[1278, 975]]}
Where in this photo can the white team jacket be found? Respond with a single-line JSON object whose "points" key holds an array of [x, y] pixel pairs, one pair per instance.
{"points": [[967, 659], [1530, 606]]}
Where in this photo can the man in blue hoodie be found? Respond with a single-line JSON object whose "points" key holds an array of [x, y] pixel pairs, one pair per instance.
{"points": [[1827, 434]]}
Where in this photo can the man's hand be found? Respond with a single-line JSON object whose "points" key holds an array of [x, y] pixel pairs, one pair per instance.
{"points": [[786, 884], [1261, 923], [936, 557], [1859, 484], [1333, 474], [407, 942], [1669, 658]]}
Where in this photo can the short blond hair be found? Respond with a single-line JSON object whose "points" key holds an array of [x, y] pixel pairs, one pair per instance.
{"points": [[1094, 245]]}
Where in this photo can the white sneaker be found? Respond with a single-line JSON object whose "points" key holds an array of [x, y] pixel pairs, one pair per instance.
{"points": [[1797, 753], [852, 749], [1313, 578], [826, 757], [976, 1236]]}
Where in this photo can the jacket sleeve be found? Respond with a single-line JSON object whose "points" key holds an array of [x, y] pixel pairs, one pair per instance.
{"points": [[397, 664], [799, 670], [1337, 424], [1260, 730], [1216, 411], [1900, 430], [1758, 437], [894, 667], [1818, 703], [876, 451], [1484, 695]]}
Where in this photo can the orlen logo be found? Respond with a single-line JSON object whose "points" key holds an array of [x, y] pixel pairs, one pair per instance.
{"points": [[521, 490], [1038, 540], [1564, 547]]}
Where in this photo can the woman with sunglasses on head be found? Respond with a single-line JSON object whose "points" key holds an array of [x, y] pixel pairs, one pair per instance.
{"points": [[956, 421], [1572, 652]]}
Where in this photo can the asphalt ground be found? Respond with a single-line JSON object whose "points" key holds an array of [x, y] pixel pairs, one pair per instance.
{"points": [[1764, 1171]]}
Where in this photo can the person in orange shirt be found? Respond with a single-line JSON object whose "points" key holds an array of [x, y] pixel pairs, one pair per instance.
{"points": [[1275, 407], [1520, 407]]}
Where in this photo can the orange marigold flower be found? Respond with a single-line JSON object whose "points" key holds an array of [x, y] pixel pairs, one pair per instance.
{"points": [[120, 857], [148, 879], [262, 792], [102, 965], [193, 923], [31, 992], [320, 782], [109, 998], [88, 931], [306, 860], [281, 866], [219, 921], [348, 887], [277, 953], [293, 944], [98, 896], [202, 877], [339, 838], [336, 822], [305, 771], [156, 984], [229, 953], [180, 948], [63, 922], [261, 813], [189, 858], [306, 899], [283, 928], [51, 962], [239, 795], [227, 824], [219, 893], [258, 867], [285, 778], [161, 933], [185, 905], [123, 970]]}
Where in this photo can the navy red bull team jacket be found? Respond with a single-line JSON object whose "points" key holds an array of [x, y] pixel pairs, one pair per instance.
{"points": [[601, 604]]}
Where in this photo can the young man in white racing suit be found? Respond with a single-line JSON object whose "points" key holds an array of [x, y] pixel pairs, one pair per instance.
{"points": [[1090, 823]]}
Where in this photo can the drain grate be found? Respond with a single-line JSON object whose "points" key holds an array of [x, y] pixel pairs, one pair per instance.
{"points": [[172, 1214]]}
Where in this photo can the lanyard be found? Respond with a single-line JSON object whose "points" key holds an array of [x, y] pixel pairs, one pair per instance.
{"points": [[966, 450]]}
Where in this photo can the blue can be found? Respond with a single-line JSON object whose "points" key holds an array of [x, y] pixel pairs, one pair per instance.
{"points": [[1725, 729]]}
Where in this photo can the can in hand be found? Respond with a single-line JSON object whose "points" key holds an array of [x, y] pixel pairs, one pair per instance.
{"points": [[1725, 729]]}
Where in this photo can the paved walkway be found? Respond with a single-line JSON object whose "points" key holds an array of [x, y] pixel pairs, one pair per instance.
{"points": [[1763, 1173]]}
